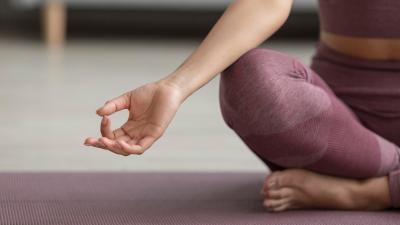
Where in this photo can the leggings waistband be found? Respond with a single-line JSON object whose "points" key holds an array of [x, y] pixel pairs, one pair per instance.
{"points": [[326, 53]]}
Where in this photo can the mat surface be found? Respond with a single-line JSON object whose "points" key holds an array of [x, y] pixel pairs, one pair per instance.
{"points": [[154, 198]]}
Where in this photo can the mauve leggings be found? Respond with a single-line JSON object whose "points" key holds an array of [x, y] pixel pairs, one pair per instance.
{"points": [[340, 117]]}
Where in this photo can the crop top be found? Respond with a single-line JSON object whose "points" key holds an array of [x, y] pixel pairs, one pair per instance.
{"points": [[361, 18]]}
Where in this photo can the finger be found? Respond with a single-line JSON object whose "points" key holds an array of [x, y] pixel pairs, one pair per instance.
{"points": [[105, 128], [90, 141], [132, 141], [114, 105], [113, 146], [146, 142], [119, 132], [98, 144], [125, 138], [130, 149], [134, 147]]}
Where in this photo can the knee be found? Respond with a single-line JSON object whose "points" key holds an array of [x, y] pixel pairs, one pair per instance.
{"points": [[251, 67], [258, 69], [260, 86], [257, 76], [261, 65]]}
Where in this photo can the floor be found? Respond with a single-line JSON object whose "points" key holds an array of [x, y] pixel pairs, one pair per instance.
{"points": [[48, 100]]}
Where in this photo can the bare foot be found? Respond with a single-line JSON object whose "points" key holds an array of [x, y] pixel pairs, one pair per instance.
{"points": [[303, 189]]}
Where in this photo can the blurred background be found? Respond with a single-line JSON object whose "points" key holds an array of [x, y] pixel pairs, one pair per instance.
{"points": [[61, 60]]}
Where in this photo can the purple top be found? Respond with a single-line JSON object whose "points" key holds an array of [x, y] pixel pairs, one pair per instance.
{"points": [[362, 18]]}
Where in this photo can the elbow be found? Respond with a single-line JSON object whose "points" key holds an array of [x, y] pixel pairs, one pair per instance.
{"points": [[266, 10], [275, 12], [280, 9]]}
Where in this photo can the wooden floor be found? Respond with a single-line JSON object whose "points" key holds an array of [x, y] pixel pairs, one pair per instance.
{"points": [[48, 100]]}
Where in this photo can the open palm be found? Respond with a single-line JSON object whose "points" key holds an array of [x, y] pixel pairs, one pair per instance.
{"points": [[151, 109]]}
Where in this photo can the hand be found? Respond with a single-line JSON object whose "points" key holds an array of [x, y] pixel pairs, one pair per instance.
{"points": [[151, 109]]}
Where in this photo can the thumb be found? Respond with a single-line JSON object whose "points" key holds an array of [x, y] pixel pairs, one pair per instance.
{"points": [[115, 105]]}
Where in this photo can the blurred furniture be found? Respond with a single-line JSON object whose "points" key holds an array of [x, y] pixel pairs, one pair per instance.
{"points": [[55, 14], [54, 22]]}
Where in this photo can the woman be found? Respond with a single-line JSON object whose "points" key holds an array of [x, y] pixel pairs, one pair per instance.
{"points": [[328, 132]]}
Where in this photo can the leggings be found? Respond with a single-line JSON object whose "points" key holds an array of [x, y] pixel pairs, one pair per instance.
{"points": [[339, 117]]}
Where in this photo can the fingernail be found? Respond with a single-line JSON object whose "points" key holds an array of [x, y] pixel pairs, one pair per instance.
{"points": [[103, 120]]}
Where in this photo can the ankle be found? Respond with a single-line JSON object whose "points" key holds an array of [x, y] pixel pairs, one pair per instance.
{"points": [[349, 195], [370, 194]]}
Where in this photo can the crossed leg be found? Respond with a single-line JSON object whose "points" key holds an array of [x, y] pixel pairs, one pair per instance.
{"points": [[289, 117]]}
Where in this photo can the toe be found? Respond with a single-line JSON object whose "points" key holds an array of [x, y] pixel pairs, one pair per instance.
{"points": [[271, 181], [275, 204], [279, 193], [283, 207], [289, 178]]}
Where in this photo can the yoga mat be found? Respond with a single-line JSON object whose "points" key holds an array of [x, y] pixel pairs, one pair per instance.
{"points": [[154, 198]]}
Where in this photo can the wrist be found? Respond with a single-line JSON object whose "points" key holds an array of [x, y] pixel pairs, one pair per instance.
{"points": [[172, 84], [179, 83]]}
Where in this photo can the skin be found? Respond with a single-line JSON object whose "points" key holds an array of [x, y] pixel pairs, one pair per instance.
{"points": [[153, 106], [363, 48]]}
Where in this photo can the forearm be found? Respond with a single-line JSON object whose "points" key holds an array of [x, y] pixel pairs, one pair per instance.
{"points": [[243, 26]]}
